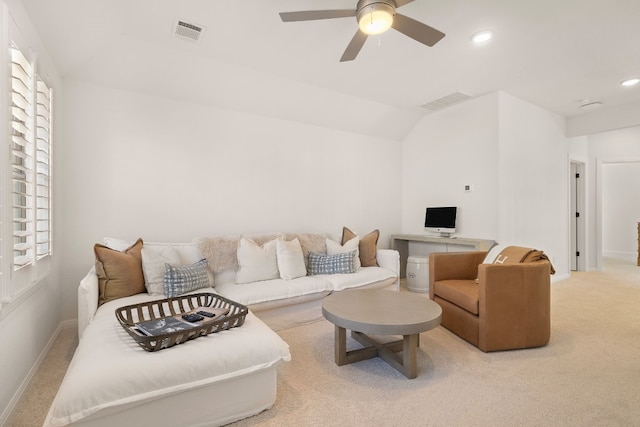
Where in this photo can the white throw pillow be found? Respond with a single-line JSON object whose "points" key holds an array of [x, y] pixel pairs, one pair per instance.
{"points": [[334, 248], [290, 259], [153, 267], [256, 262]]}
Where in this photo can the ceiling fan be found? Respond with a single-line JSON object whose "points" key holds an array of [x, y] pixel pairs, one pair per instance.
{"points": [[374, 17]]}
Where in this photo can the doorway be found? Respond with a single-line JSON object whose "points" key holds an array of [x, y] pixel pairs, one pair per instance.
{"points": [[620, 209], [599, 195]]}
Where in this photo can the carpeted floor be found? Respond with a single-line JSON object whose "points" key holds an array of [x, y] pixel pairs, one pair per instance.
{"points": [[588, 375], [34, 405]]}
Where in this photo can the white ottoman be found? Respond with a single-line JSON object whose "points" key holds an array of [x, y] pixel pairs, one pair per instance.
{"points": [[211, 380]]}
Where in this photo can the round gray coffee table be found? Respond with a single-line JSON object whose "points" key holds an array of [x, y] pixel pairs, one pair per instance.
{"points": [[380, 312]]}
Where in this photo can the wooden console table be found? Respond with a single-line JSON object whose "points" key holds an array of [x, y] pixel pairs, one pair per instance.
{"points": [[400, 242]]}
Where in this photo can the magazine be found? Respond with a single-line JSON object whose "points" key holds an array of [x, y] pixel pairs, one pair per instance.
{"points": [[163, 326]]}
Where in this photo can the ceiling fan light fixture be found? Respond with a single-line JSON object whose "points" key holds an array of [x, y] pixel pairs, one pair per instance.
{"points": [[375, 18]]}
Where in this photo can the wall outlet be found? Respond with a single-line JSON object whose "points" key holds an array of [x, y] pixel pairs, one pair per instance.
{"points": [[468, 188]]}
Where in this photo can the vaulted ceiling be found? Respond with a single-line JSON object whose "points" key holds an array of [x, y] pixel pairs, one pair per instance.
{"points": [[552, 53]]}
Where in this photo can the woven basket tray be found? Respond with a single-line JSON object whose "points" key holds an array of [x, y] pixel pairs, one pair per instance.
{"points": [[130, 315]]}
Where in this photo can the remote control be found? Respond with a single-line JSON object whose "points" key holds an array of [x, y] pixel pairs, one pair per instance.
{"points": [[206, 313], [192, 317]]}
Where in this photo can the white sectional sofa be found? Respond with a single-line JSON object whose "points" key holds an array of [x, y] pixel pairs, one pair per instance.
{"points": [[211, 380]]}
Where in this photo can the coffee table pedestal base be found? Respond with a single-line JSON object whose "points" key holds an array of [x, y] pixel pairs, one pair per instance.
{"points": [[408, 345]]}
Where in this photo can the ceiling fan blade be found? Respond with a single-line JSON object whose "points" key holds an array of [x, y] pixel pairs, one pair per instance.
{"points": [[417, 30], [312, 15], [354, 47], [400, 3]]}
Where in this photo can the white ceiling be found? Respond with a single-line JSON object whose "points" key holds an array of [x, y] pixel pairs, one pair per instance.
{"points": [[551, 53]]}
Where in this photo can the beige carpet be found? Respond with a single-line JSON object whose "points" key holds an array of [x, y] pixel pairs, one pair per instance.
{"points": [[588, 375], [34, 405]]}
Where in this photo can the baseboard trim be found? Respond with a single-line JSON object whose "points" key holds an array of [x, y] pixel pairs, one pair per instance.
{"points": [[19, 394], [622, 255]]}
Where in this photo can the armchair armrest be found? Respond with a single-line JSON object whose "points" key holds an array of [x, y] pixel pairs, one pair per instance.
{"points": [[514, 305]]}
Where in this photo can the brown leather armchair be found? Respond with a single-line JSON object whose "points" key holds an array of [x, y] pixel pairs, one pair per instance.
{"points": [[507, 307]]}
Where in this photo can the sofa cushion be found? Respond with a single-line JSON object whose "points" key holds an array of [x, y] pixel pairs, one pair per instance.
{"points": [[273, 290], [334, 248], [290, 259], [256, 262], [362, 277], [153, 267], [463, 293], [332, 264], [368, 246], [119, 273], [180, 279]]}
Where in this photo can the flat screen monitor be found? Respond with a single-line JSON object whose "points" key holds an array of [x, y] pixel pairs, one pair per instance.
{"points": [[441, 220]]}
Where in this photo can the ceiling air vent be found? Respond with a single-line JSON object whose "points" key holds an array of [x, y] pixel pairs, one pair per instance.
{"points": [[186, 31], [446, 101]]}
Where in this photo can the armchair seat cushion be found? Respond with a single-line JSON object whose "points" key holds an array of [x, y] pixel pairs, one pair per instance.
{"points": [[463, 293]]}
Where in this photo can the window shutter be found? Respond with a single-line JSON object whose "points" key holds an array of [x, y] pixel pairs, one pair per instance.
{"points": [[22, 158], [25, 157], [43, 169]]}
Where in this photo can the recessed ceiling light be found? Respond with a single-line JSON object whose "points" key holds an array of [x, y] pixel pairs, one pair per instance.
{"points": [[630, 82], [482, 37]]}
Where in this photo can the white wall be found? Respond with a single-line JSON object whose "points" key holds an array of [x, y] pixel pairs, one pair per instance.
{"points": [[28, 321], [620, 210], [514, 155], [444, 152], [136, 165], [534, 176]]}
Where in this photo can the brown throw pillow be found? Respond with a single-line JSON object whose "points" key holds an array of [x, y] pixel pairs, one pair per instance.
{"points": [[368, 247], [119, 273]]}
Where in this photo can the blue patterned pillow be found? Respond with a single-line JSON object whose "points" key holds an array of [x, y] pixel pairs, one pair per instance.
{"points": [[180, 279], [331, 264]]}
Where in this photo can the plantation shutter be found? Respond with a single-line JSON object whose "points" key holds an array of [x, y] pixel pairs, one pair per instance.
{"points": [[43, 169], [25, 157], [22, 152]]}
